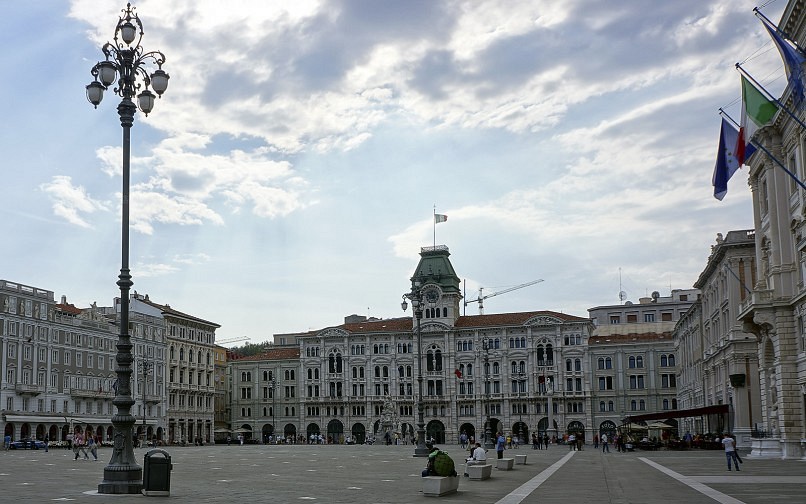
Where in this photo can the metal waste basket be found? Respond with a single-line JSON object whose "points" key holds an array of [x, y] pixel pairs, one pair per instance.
{"points": [[157, 473]]}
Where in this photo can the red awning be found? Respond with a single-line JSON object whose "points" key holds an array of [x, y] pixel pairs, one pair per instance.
{"points": [[705, 410]]}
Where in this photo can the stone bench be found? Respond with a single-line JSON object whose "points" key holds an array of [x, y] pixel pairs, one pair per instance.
{"points": [[520, 459], [437, 486], [480, 472], [505, 464]]}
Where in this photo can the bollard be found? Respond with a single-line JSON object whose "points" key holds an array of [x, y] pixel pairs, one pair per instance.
{"points": [[157, 473]]}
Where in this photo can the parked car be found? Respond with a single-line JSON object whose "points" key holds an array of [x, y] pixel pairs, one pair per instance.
{"points": [[27, 444]]}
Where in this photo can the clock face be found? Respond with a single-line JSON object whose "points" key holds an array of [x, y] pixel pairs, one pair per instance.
{"points": [[431, 294]]}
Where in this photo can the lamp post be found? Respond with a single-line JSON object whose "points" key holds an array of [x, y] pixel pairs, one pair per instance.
{"points": [[273, 388], [416, 298], [488, 434], [126, 64], [520, 378], [146, 366]]}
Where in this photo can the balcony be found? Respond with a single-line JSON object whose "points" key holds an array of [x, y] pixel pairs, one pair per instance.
{"points": [[101, 394], [28, 389]]}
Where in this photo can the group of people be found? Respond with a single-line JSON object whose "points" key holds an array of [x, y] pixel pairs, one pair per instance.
{"points": [[538, 441], [85, 446]]}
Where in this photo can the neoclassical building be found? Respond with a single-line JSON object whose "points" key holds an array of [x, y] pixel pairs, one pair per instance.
{"points": [[719, 358], [775, 310], [510, 368], [189, 375], [633, 361], [57, 366]]}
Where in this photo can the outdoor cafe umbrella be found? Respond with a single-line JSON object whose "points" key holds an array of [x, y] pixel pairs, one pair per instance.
{"points": [[659, 425]]}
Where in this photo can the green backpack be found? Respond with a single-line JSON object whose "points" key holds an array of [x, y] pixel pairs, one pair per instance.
{"points": [[443, 464]]}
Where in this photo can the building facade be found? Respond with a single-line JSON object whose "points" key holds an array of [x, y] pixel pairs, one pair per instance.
{"points": [[776, 309], [723, 356], [57, 367], [632, 358]]}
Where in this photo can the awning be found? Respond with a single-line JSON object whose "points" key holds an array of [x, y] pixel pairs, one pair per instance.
{"points": [[716, 409], [57, 419]]}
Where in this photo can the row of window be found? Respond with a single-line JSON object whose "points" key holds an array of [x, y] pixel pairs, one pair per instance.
{"points": [[633, 362], [648, 317]]}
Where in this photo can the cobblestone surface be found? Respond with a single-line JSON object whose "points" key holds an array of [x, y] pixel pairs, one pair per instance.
{"points": [[389, 474]]}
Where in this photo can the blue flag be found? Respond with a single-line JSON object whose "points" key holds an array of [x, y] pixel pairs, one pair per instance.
{"points": [[793, 62], [726, 161]]}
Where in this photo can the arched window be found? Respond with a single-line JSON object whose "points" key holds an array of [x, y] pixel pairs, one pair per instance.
{"points": [[577, 365], [610, 406], [438, 360], [608, 363], [310, 374], [400, 372], [172, 353], [522, 367], [496, 368], [540, 357], [602, 406], [386, 371], [469, 370], [642, 405], [639, 362], [568, 364], [631, 362], [665, 404], [671, 360], [377, 371], [633, 405], [600, 363], [664, 360], [549, 355], [514, 367], [181, 354]]}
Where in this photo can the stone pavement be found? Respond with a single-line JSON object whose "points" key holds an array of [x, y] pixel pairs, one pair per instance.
{"points": [[389, 474]]}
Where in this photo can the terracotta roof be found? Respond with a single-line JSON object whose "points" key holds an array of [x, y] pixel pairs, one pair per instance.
{"points": [[281, 353], [166, 309], [629, 338], [388, 325], [69, 308], [510, 319]]}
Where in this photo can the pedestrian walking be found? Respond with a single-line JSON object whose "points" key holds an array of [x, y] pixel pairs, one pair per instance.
{"points": [[93, 447], [730, 451], [572, 441], [47, 442], [500, 444], [605, 447]]}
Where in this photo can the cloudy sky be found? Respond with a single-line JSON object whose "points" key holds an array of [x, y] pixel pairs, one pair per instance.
{"points": [[289, 175]]}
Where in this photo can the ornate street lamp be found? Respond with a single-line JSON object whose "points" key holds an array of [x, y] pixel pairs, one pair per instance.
{"points": [[146, 366], [126, 62], [486, 345], [416, 298], [520, 378], [273, 389]]}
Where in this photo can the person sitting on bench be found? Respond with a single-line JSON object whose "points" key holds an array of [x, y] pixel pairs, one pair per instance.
{"points": [[478, 457]]}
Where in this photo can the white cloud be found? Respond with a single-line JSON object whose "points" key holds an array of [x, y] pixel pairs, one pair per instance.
{"points": [[71, 202]]}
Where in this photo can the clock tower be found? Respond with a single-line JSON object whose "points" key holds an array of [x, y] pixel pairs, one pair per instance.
{"points": [[439, 284]]}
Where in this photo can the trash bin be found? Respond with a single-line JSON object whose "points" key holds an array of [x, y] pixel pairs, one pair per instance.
{"points": [[157, 473]]}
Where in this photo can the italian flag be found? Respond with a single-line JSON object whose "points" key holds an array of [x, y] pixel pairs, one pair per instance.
{"points": [[757, 111]]}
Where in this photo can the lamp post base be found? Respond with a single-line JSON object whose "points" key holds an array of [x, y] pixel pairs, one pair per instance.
{"points": [[420, 451], [127, 481]]}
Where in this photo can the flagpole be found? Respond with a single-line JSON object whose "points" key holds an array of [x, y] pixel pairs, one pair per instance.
{"points": [[773, 98], [767, 152], [765, 19], [434, 223]]}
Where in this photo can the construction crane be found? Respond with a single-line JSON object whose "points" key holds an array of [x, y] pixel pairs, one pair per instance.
{"points": [[481, 298], [231, 340]]}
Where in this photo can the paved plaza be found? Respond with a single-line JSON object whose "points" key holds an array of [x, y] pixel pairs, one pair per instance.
{"points": [[389, 474]]}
